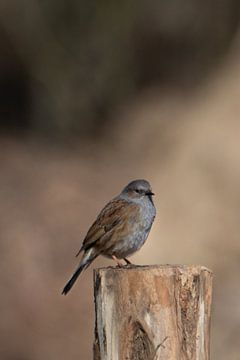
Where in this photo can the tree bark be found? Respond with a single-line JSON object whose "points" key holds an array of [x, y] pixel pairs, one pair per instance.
{"points": [[152, 313]]}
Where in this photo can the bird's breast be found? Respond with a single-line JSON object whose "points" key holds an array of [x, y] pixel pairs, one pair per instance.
{"points": [[132, 233]]}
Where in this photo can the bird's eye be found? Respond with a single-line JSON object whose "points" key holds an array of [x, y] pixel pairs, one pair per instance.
{"points": [[138, 191]]}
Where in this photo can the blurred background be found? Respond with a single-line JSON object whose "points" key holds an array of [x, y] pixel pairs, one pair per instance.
{"points": [[95, 94]]}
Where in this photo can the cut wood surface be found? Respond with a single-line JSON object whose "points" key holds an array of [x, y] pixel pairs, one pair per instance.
{"points": [[152, 312]]}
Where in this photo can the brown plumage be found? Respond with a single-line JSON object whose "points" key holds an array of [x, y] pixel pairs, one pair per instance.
{"points": [[120, 229], [110, 222]]}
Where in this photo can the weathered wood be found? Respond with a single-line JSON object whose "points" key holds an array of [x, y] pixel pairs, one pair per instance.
{"points": [[152, 313]]}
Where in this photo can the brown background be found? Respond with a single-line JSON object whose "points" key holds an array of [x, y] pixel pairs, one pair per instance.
{"points": [[95, 95]]}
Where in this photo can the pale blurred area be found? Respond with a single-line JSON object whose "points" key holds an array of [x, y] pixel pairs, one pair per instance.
{"points": [[93, 95]]}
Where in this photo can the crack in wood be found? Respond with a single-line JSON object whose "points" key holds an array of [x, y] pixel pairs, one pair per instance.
{"points": [[139, 346], [150, 313]]}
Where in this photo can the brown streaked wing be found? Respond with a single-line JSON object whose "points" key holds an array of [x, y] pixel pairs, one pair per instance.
{"points": [[112, 215]]}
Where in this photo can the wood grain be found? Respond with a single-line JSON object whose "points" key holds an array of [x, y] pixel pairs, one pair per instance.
{"points": [[152, 312]]}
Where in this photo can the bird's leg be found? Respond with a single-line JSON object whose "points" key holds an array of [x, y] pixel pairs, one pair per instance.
{"points": [[127, 261], [117, 261]]}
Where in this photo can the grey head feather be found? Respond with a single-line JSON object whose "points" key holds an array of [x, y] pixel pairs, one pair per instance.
{"points": [[141, 185], [138, 191]]}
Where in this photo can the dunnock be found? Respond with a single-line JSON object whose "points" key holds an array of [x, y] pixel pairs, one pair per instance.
{"points": [[121, 227]]}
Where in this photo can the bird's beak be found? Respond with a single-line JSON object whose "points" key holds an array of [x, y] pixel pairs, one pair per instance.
{"points": [[150, 193]]}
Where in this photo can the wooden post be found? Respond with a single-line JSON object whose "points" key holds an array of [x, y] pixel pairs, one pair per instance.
{"points": [[157, 312]]}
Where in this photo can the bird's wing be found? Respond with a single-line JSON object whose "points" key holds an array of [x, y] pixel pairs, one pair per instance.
{"points": [[112, 216]]}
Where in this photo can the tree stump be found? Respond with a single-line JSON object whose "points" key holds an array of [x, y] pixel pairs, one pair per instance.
{"points": [[152, 312]]}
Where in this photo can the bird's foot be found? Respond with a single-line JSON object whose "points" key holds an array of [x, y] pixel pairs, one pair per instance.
{"points": [[127, 262], [119, 264]]}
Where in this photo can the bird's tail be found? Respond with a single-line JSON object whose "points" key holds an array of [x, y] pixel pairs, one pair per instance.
{"points": [[86, 260]]}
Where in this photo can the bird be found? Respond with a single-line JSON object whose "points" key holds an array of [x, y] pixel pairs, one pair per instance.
{"points": [[120, 229]]}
